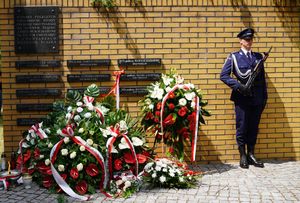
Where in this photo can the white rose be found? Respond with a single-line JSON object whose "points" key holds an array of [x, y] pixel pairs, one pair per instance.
{"points": [[79, 109], [157, 168], [73, 155], [81, 130], [162, 179], [168, 89], [127, 184], [42, 156], [154, 175], [172, 174], [50, 145], [182, 102], [91, 132], [68, 116], [181, 179], [69, 109], [119, 182], [47, 162], [190, 96], [77, 118], [64, 152], [151, 106], [79, 167], [82, 148], [79, 103], [95, 145], [165, 170], [87, 115], [61, 168], [89, 142], [66, 140], [90, 107]]}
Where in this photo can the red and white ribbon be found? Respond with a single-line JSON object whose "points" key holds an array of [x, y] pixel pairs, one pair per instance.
{"points": [[88, 101], [38, 130], [116, 87], [68, 131], [195, 130], [4, 182]]}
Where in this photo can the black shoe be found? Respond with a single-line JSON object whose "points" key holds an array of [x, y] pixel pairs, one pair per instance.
{"points": [[253, 161], [243, 157]]}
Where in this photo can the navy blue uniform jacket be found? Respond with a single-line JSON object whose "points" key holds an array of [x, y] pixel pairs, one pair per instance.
{"points": [[239, 69]]}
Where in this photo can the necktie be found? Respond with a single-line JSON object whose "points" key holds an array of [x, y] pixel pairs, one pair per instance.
{"points": [[249, 55]]}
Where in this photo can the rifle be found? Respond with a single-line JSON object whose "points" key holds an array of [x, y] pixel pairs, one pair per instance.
{"points": [[256, 70]]}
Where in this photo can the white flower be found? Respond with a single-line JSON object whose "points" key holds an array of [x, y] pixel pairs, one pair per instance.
{"points": [[162, 179], [79, 167], [61, 168], [168, 89], [179, 79], [95, 145], [58, 132], [124, 178], [190, 96], [119, 182], [81, 130], [165, 170], [91, 132], [103, 109], [42, 156], [166, 79], [73, 155], [157, 168], [148, 101], [127, 184], [171, 174], [68, 116], [47, 162], [89, 142], [154, 175], [69, 109], [105, 132], [50, 145], [137, 141], [182, 102], [79, 103], [77, 118], [64, 152], [151, 106], [82, 148], [193, 104], [90, 106], [123, 125], [79, 109], [47, 130], [181, 179], [87, 115], [148, 166], [123, 144], [192, 86], [157, 92], [66, 140]]}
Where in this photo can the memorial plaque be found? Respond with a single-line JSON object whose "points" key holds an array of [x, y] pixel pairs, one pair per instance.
{"points": [[88, 77], [141, 76], [103, 90], [134, 90], [37, 92], [38, 64], [28, 121], [36, 29], [37, 78], [34, 107], [139, 62], [88, 63]]}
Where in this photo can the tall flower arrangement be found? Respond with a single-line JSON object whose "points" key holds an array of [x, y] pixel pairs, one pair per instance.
{"points": [[81, 144], [172, 110]]}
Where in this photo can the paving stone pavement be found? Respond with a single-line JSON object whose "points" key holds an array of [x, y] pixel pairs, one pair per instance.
{"points": [[279, 181]]}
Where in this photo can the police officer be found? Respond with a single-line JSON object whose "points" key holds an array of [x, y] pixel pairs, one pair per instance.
{"points": [[249, 105]]}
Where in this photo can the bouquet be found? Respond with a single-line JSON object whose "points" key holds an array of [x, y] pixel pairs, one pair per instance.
{"points": [[79, 143], [172, 110], [170, 174]]}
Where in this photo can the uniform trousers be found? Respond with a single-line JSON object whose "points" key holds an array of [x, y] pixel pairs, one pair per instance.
{"points": [[247, 121]]}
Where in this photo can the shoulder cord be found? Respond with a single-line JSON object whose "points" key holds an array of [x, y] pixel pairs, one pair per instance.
{"points": [[239, 73]]}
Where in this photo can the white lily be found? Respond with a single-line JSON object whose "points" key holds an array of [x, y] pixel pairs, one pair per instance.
{"points": [[123, 144], [137, 141]]}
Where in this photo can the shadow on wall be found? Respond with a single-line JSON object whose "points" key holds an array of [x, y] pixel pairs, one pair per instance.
{"points": [[289, 15], [242, 7], [113, 16], [275, 138]]}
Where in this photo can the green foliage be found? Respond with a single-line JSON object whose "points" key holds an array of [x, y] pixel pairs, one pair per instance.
{"points": [[92, 91], [73, 95], [103, 3]]}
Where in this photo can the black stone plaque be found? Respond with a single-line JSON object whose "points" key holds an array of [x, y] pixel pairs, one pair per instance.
{"points": [[88, 77], [141, 76], [36, 29], [139, 62], [28, 121], [37, 92], [103, 90], [88, 63], [134, 90], [37, 64], [34, 107], [37, 78]]}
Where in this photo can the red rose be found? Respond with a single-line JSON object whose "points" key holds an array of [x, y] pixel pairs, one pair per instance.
{"points": [[157, 113], [47, 181], [92, 170], [158, 105], [170, 119], [156, 120], [141, 158], [192, 116], [182, 111], [26, 157], [149, 115], [36, 153], [171, 95], [129, 158], [118, 164], [146, 153], [81, 187], [43, 169], [74, 173], [171, 106], [171, 150]]}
